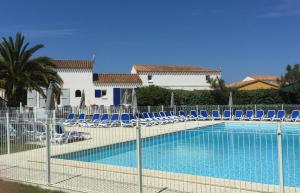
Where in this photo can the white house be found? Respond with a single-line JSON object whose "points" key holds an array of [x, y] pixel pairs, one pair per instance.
{"points": [[175, 77], [116, 89], [111, 88], [99, 89]]}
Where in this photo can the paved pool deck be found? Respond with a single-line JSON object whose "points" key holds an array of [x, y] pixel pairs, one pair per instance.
{"points": [[30, 167]]}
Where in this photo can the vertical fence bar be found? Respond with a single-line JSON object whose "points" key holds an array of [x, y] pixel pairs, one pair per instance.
{"points": [[149, 108], [280, 160], [139, 158], [162, 107], [34, 114], [48, 152], [7, 133]]}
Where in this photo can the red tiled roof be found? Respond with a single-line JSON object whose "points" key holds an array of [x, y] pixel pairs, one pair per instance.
{"points": [[117, 78], [171, 68], [264, 77], [73, 64]]}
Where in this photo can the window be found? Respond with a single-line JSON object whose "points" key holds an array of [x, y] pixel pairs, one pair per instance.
{"points": [[207, 77], [149, 78], [97, 93], [100, 93], [77, 93], [103, 92]]}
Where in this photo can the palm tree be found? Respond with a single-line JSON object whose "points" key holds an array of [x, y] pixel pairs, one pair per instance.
{"points": [[20, 72]]}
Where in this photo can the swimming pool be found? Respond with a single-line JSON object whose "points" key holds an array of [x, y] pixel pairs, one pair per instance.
{"points": [[246, 152]]}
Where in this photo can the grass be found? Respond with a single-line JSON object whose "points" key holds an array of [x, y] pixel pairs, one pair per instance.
{"points": [[15, 147], [13, 187]]}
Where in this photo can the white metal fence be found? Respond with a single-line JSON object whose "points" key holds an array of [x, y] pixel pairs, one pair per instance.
{"points": [[166, 155]]}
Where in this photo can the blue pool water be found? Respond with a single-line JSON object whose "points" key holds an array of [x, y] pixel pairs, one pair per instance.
{"points": [[245, 152]]}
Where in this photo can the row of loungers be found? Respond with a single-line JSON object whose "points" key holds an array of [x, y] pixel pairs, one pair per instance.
{"points": [[154, 118]]}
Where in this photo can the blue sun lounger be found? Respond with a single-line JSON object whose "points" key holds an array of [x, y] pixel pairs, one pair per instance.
{"points": [[104, 121], [159, 118], [172, 114], [125, 120], [238, 115], [294, 116], [139, 117], [164, 117], [149, 117], [194, 116], [70, 120], [171, 117], [94, 121], [182, 116], [270, 115], [204, 115], [115, 120], [60, 135], [153, 119], [81, 120], [215, 115], [226, 115], [280, 116], [248, 115], [259, 115]]}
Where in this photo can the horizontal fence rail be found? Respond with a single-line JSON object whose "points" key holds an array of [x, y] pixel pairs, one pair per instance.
{"points": [[171, 153]]}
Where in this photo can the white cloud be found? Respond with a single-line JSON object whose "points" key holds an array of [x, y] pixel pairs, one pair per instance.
{"points": [[283, 8]]}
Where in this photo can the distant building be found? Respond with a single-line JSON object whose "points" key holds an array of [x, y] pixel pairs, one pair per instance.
{"points": [[256, 82], [175, 77], [116, 89]]}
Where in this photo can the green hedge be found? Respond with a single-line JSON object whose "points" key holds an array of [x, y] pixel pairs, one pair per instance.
{"points": [[154, 95]]}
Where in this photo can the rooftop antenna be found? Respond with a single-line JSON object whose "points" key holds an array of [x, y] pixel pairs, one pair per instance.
{"points": [[93, 58]]}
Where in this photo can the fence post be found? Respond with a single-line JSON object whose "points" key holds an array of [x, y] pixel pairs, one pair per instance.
{"points": [[280, 160], [48, 143], [139, 158], [281, 106], [34, 114], [7, 133], [255, 108], [149, 108], [162, 107]]}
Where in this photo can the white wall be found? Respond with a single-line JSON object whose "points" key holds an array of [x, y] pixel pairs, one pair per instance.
{"points": [[248, 78], [109, 98], [79, 80], [2, 93], [178, 80]]}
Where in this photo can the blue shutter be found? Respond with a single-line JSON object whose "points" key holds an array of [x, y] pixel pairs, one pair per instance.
{"points": [[117, 96], [98, 94]]}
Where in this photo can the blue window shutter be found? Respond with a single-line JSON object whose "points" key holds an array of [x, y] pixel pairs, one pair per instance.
{"points": [[98, 94], [117, 96]]}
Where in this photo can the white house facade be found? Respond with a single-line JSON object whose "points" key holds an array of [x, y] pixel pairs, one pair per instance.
{"points": [[116, 89], [175, 77]]}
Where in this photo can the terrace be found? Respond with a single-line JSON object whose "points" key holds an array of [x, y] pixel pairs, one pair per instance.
{"points": [[73, 165]]}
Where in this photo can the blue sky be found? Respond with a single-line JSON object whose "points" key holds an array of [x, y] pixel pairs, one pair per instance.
{"points": [[239, 36]]}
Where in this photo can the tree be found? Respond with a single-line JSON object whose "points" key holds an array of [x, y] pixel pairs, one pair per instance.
{"points": [[220, 91], [153, 95], [20, 72], [217, 83], [292, 75]]}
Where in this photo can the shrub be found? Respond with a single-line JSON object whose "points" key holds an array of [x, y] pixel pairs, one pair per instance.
{"points": [[154, 95]]}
